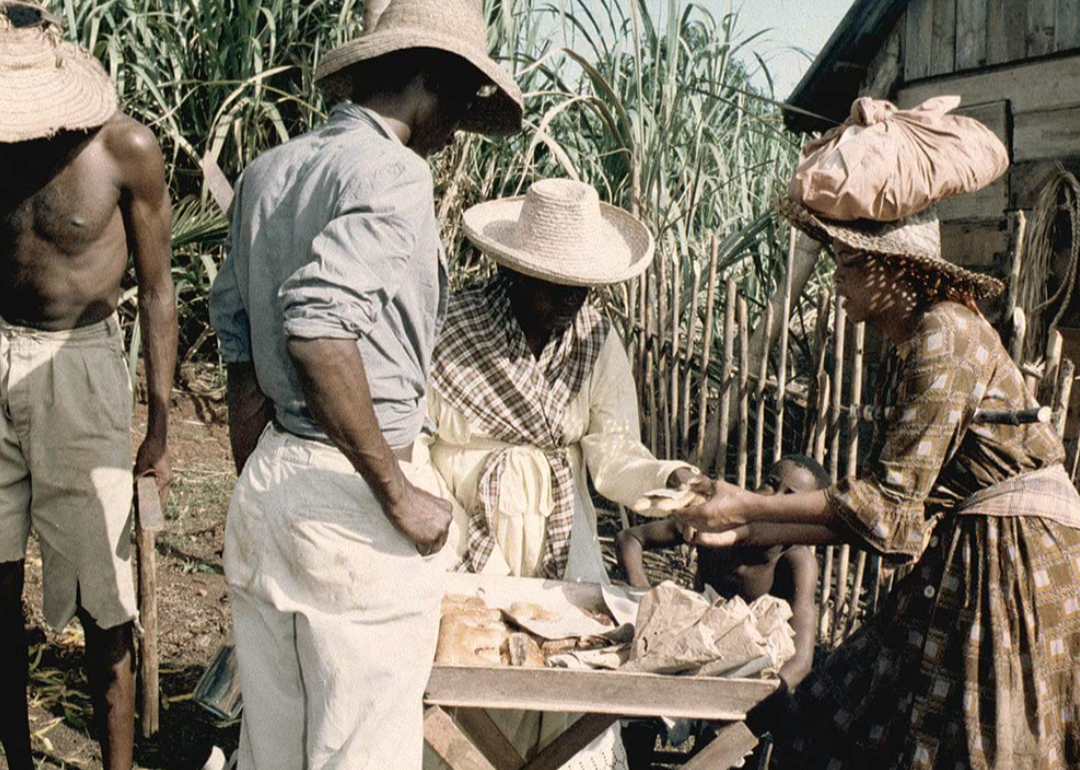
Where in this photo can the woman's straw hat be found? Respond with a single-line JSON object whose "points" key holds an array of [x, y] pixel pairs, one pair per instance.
{"points": [[559, 231], [46, 84], [455, 26], [915, 239]]}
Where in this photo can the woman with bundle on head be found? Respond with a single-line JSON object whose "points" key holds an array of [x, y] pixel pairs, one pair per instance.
{"points": [[972, 660]]}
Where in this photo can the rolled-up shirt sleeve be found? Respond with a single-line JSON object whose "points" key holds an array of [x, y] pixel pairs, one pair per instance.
{"points": [[939, 388], [622, 468], [361, 257], [228, 315]]}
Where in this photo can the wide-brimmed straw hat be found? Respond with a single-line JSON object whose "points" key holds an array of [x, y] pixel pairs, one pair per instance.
{"points": [[455, 26], [559, 231], [47, 85], [915, 239]]}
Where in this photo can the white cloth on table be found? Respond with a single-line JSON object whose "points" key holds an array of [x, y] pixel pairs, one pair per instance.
{"points": [[334, 611]]}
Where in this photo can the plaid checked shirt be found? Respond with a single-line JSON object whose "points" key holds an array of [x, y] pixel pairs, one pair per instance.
{"points": [[484, 367]]}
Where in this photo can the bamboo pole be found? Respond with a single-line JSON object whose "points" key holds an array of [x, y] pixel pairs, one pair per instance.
{"points": [[785, 322], [730, 302], [1018, 226], [744, 392], [830, 612], [650, 358], [835, 411], [1066, 373], [822, 432], [762, 381], [884, 375], [1054, 344], [664, 433], [1019, 329], [820, 348], [643, 301], [851, 467], [674, 447], [688, 376], [821, 425], [710, 307], [852, 621]]}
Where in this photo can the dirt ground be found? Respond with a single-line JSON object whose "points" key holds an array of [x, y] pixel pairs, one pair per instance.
{"points": [[193, 605]]}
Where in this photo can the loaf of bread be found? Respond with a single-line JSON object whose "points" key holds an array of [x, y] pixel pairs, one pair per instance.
{"points": [[472, 639], [530, 611], [522, 650], [473, 634]]}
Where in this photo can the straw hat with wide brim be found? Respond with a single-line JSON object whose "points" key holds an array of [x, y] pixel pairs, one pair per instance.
{"points": [[560, 232], [47, 85], [915, 239], [455, 26]]}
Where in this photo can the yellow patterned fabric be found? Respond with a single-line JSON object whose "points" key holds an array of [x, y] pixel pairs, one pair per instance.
{"points": [[972, 661]]}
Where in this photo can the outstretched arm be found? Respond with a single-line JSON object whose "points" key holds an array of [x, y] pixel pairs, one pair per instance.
{"points": [[147, 218], [631, 544], [733, 515]]}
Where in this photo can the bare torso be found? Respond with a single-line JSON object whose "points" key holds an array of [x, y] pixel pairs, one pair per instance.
{"points": [[63, 234], [752, 578]]}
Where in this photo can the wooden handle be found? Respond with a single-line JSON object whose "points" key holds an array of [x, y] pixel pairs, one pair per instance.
{"points": [[151, 516], [1040, 414]]}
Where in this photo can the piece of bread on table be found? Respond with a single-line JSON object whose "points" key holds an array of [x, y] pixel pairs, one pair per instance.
{"points": [[471, 640], [521, 650]]}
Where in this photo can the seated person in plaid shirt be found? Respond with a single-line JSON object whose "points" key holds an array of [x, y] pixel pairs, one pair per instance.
{"points": [[530, 390]]}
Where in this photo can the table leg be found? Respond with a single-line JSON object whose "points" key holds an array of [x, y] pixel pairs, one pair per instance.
{"points": [[451, 744], [733, 742], [562, 749], [488, 738]]}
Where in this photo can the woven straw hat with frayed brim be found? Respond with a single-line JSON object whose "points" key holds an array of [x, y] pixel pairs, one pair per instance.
{"points": [[455, 26], [916, 239], [560, 232], [47, 85]]}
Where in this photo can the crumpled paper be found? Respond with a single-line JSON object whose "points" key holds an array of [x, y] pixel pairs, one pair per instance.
{"points": [[570, 624], [606, 658], [683, 632]]}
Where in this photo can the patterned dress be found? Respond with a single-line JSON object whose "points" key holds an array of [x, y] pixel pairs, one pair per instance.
{"points": [[972, 661]]}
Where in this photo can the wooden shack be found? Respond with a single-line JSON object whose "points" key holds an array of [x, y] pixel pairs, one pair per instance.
{"points": [[1015, 63]]}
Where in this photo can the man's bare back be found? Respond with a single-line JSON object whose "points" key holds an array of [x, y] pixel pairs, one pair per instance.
{"points": [[70, 210]]}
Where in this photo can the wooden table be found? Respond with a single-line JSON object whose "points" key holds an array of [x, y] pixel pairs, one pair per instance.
{"points": [[460, 731]]}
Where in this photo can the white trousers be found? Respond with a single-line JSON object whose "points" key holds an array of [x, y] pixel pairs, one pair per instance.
{"points": [[335, 615]]}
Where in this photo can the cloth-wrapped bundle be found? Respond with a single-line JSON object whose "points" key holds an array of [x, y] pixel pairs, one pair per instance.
{"points": [[885, 164]]}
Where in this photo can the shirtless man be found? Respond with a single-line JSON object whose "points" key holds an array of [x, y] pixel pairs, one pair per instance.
{"points": [[82, 186]]}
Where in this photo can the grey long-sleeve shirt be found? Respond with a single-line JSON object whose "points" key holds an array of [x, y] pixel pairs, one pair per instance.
{"points": [[333, 235]]}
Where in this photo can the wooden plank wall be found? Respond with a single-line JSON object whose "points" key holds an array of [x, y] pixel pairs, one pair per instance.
{"points": [[944, 37], [1034, 107], [965, 47]]}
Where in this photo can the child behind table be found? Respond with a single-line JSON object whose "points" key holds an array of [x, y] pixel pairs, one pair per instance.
{"points": [[790, 573]]}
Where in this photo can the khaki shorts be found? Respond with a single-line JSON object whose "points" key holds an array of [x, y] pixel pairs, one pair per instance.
{"points": [[65, 466]]}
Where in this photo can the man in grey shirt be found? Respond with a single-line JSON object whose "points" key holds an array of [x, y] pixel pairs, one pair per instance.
{"points": [[326, 310]]}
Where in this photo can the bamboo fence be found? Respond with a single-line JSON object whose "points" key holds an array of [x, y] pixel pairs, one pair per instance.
{"points": [[709, 399]]}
